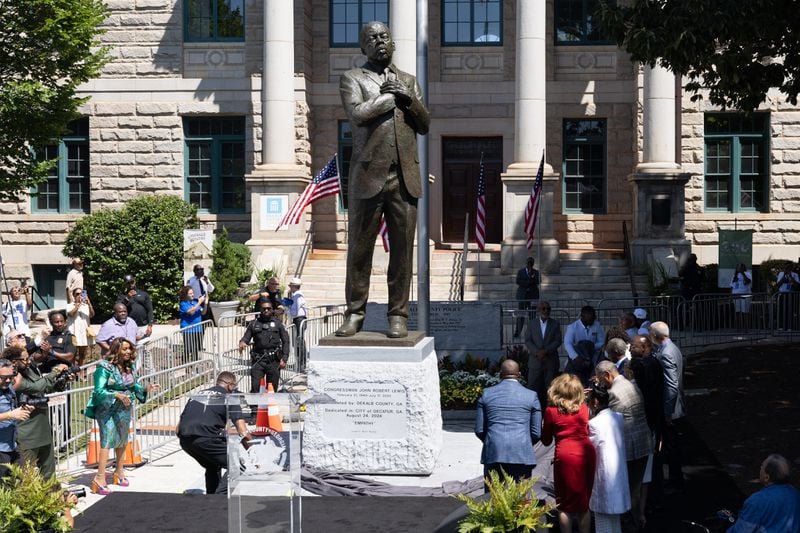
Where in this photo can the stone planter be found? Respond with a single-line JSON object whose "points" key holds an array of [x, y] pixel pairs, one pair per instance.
{"points": [[220, 310]]}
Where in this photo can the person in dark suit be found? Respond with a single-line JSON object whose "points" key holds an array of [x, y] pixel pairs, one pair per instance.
{"points": [[542, 340], [386, 112], [508, 421], [528, 281], [671, 359]]}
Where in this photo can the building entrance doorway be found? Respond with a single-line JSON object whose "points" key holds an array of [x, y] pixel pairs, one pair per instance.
{"points": [[461, 162]]}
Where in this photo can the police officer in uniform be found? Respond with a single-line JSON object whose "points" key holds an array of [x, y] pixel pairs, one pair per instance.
{"points": [[202, 432], [270, 347]]}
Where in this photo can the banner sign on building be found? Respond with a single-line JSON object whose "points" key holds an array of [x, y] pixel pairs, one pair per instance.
{"points": [[735, 246]]}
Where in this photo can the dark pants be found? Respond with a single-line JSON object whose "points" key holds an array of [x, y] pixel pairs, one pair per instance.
{"points": [[262, 368], [298, 338], [636, 468], [42, 456], [7, 458], [517, 471], [400, 210], [212, 454], [670, 455], [583, 365], [192, 342], [542, 373]]}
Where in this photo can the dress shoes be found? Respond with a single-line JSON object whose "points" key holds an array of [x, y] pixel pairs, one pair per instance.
{"points": [[352, 325], [398, 327]]}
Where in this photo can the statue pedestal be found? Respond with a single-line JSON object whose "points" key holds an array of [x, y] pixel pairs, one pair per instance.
{"points": [[387, 416]]}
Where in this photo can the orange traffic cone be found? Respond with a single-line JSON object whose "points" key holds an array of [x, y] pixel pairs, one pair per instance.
{"points": [[268, 416], [93, 449], [133, 457]]}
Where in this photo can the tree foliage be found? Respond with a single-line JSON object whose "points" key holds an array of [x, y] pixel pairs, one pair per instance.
{"points": [[49, 47], [736, 50], [232, 266], [144, 238]]}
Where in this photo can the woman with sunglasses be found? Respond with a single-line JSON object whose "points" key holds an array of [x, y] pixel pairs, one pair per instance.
{"points": [[116, 386]]}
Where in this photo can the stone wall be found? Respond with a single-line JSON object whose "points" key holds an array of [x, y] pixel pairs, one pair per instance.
{"points": [[776, 233]]}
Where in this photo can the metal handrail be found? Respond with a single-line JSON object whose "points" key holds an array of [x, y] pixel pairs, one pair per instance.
{"points": [[308, 245], [626, 250]]}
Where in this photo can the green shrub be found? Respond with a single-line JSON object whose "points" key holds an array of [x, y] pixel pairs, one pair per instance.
{"points": [[512, 506], [30, 503], [144, 238], [231, 267]]}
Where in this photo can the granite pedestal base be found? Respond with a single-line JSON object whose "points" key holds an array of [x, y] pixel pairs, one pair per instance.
{"points": [[387, 416]]}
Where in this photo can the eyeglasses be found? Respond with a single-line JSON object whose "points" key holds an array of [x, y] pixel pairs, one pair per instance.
{"points": [[8, 377], [229, 383], [20, 336], [266, 309]]}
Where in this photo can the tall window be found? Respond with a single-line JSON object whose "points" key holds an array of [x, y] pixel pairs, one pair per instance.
{"points": [[67, 187], [214, 163], [736, 159], [345, 153], [347, 17], [472, 22], [584, 165], [214, 20], [576, 23]]}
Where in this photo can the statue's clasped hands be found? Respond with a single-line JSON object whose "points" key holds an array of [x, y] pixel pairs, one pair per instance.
{"points": [[398, 88]]}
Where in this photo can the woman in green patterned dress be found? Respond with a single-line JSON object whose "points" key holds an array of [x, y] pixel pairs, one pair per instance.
{"points": [[116, 385]]}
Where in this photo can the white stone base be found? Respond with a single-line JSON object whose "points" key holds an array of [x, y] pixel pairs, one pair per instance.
{"points": [[388, 417]]}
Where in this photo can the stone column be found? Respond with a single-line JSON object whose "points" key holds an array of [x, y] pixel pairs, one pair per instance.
{"points": [[403, 22], [529, 143], [659, 199], [278, 180]]}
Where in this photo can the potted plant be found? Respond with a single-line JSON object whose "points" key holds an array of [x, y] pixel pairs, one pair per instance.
{"points": [[512, 506], [31, 503], [231, 267]]}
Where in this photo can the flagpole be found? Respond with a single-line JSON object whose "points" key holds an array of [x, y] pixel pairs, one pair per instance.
{"points": [[539, 236], [423, 251]]}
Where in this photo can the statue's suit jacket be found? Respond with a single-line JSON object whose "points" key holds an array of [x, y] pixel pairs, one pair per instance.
{"points": [[382, 133]]}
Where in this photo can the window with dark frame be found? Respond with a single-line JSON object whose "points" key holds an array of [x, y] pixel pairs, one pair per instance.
{"points": [[584, 166], [472, 22], [215, 163], [577, 24], [348, 16], [213, 20], [66, 189], [736, 173]]}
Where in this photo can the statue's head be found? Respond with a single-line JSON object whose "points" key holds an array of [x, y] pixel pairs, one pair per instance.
{"points": [[376, 42]]}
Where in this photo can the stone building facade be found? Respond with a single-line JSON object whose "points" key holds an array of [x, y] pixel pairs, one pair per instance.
{"points": [[183, 109]]}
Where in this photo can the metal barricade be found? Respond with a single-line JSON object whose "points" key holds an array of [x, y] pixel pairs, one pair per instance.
{"points": [[786, 315]]}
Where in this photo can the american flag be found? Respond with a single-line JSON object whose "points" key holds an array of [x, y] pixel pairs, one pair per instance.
{"points": [[326, 183], [480, 213], [384, 231], [532, 210]]}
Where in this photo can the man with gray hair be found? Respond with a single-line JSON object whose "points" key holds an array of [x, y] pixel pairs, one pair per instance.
{"points": [[626, 399], [671, 359], [776, 507]]}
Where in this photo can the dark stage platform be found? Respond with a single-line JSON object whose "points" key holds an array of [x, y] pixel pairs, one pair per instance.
{"points": [[145, 511]]}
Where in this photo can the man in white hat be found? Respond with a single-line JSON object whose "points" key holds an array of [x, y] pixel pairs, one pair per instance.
{"points": [[641, 321]]}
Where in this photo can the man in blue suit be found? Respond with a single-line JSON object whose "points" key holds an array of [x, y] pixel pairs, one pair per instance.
{"points": [[508, 422]]}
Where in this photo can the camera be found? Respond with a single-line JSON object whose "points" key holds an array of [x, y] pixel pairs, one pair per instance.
{"points": [[33, 401], [78, 492], [66, 375]]}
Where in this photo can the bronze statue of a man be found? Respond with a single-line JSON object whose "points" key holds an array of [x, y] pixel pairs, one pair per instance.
{"points": [[385, 108]]}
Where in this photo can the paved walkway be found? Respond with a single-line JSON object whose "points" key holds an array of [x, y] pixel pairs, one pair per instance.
{"points": [[173, 471]]}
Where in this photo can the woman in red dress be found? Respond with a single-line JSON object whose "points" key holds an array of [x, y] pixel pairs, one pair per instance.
{"points": [[567, 420]]}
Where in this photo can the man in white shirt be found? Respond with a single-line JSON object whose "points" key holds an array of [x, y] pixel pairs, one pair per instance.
{"points": [[583, 342]]}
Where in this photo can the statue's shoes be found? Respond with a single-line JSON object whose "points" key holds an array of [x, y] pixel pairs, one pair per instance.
{"points": [[398, 327], [352, 325]]}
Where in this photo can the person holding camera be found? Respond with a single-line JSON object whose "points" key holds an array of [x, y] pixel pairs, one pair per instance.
{"points": [[35, 435], [788, 283], [270, 347], [139, 305], [10, 413], [16, 311], [192, 310], [116, 386], [79, 315], [741, 288]]}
